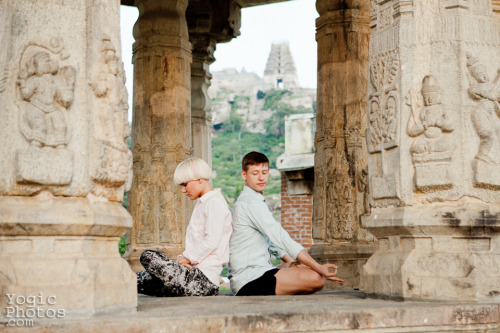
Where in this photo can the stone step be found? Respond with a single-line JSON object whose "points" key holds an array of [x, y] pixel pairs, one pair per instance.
{"points": [[334, 311]]}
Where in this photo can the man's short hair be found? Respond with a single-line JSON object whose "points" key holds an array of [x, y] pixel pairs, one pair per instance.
{"points": [[191, 169], [253, 158]]}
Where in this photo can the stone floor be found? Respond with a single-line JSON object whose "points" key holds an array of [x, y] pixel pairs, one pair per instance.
{"points": [[341, 311]]}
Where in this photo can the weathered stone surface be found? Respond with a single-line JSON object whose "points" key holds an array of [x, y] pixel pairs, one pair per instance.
{"points": [[335, 312], [341, 191], [161, 127], [433, 151], [66, 248], [63, 158], [440, 251]]}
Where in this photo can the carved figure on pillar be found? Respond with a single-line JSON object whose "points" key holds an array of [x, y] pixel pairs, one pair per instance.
{"points": [[431, 126], [382, 123], [111, 161], [47, 90], [486, 120]]}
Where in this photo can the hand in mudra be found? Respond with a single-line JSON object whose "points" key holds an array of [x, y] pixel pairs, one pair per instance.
{"points": [[329, 272], [184, 262]]}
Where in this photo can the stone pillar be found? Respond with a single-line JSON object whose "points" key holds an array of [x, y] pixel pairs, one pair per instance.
{"points": [[64, 161], [434, 150], [201, 104], [340, 167], [208, 23], [161, 136]]}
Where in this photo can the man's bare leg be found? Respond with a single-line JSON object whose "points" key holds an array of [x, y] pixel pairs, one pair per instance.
{"points": [[293, 281]]}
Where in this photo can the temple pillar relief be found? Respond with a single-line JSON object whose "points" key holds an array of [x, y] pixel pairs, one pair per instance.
{"points": [[340, 166], [64, 161], [434, 150], [161, 131]]}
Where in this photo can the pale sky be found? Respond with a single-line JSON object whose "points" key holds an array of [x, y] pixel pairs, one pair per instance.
{"points": [[292, 21]]}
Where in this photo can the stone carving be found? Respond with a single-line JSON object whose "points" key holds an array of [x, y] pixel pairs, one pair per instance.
{"points": [[432, 148], [47, 91], [3, 79], [339, 206], [111, 160], [485, 118], [364, 187], [158, 220], [382, 127], [145, 223]]}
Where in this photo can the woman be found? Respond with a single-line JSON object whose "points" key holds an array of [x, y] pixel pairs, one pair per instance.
{"points": [[196, 271]]}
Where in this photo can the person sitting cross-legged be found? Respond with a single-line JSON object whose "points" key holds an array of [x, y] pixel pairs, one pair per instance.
{"points": [[256, 235], [197, 270]]}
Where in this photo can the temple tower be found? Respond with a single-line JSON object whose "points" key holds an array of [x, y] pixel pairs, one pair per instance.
{"points": [[280, 69]]}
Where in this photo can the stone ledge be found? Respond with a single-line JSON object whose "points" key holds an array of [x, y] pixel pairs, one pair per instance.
{"points": [[327, 311]]}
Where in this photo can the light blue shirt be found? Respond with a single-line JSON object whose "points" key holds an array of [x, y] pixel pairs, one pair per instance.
{"points": [[255, 235]]}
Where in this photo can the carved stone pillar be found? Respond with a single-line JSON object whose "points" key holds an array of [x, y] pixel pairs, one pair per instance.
{"points": [[434, 150], [63, 159], [201, 104], [161, 127], [209, 22], [340, 189]]}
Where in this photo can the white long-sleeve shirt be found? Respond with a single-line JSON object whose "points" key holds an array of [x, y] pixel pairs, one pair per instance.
{"points": [[255, 235], [208, 233]]}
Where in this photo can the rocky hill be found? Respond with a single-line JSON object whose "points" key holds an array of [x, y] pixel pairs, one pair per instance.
{"points": [[248, 114]]}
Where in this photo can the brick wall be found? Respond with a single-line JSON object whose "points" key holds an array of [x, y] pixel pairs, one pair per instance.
{"points": [[296, 214]]}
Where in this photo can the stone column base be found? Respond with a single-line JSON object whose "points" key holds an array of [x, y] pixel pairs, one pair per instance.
{"points": [[437, 252], [349, 258], [62, 254]]}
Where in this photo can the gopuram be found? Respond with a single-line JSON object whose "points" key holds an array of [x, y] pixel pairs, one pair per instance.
{"points": [[407, 150]]}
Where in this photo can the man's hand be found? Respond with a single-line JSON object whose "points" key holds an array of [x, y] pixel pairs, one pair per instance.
{"points": [[184, 262], [329, 272]]}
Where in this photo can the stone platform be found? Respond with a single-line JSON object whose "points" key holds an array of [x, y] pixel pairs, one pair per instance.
{"points": [[340, 311]]}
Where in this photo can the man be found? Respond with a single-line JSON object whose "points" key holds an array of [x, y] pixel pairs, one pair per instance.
{"points": [[256, 234]]}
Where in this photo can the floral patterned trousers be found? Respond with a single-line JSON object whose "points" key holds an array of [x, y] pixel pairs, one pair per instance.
{"points": [[165, 277]]}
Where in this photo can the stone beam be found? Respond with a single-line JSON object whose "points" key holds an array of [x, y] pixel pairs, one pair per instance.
{"points": [[240, 3], [161, 136], [340, 186], [434, 150], [63, 158]]}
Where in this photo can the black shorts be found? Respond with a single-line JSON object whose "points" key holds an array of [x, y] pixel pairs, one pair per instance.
{"points": [[265, 285]]}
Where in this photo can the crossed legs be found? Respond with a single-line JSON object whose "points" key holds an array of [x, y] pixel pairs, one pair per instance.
{"points": [[298, 281], [165, 277]]}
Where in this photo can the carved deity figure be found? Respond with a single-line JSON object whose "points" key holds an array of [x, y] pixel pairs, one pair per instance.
{"points": [[486, 114], [430, 125], [48, 91], [382, 127], [375, 123], [390, 119], [109, 86], [111, 159]]}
